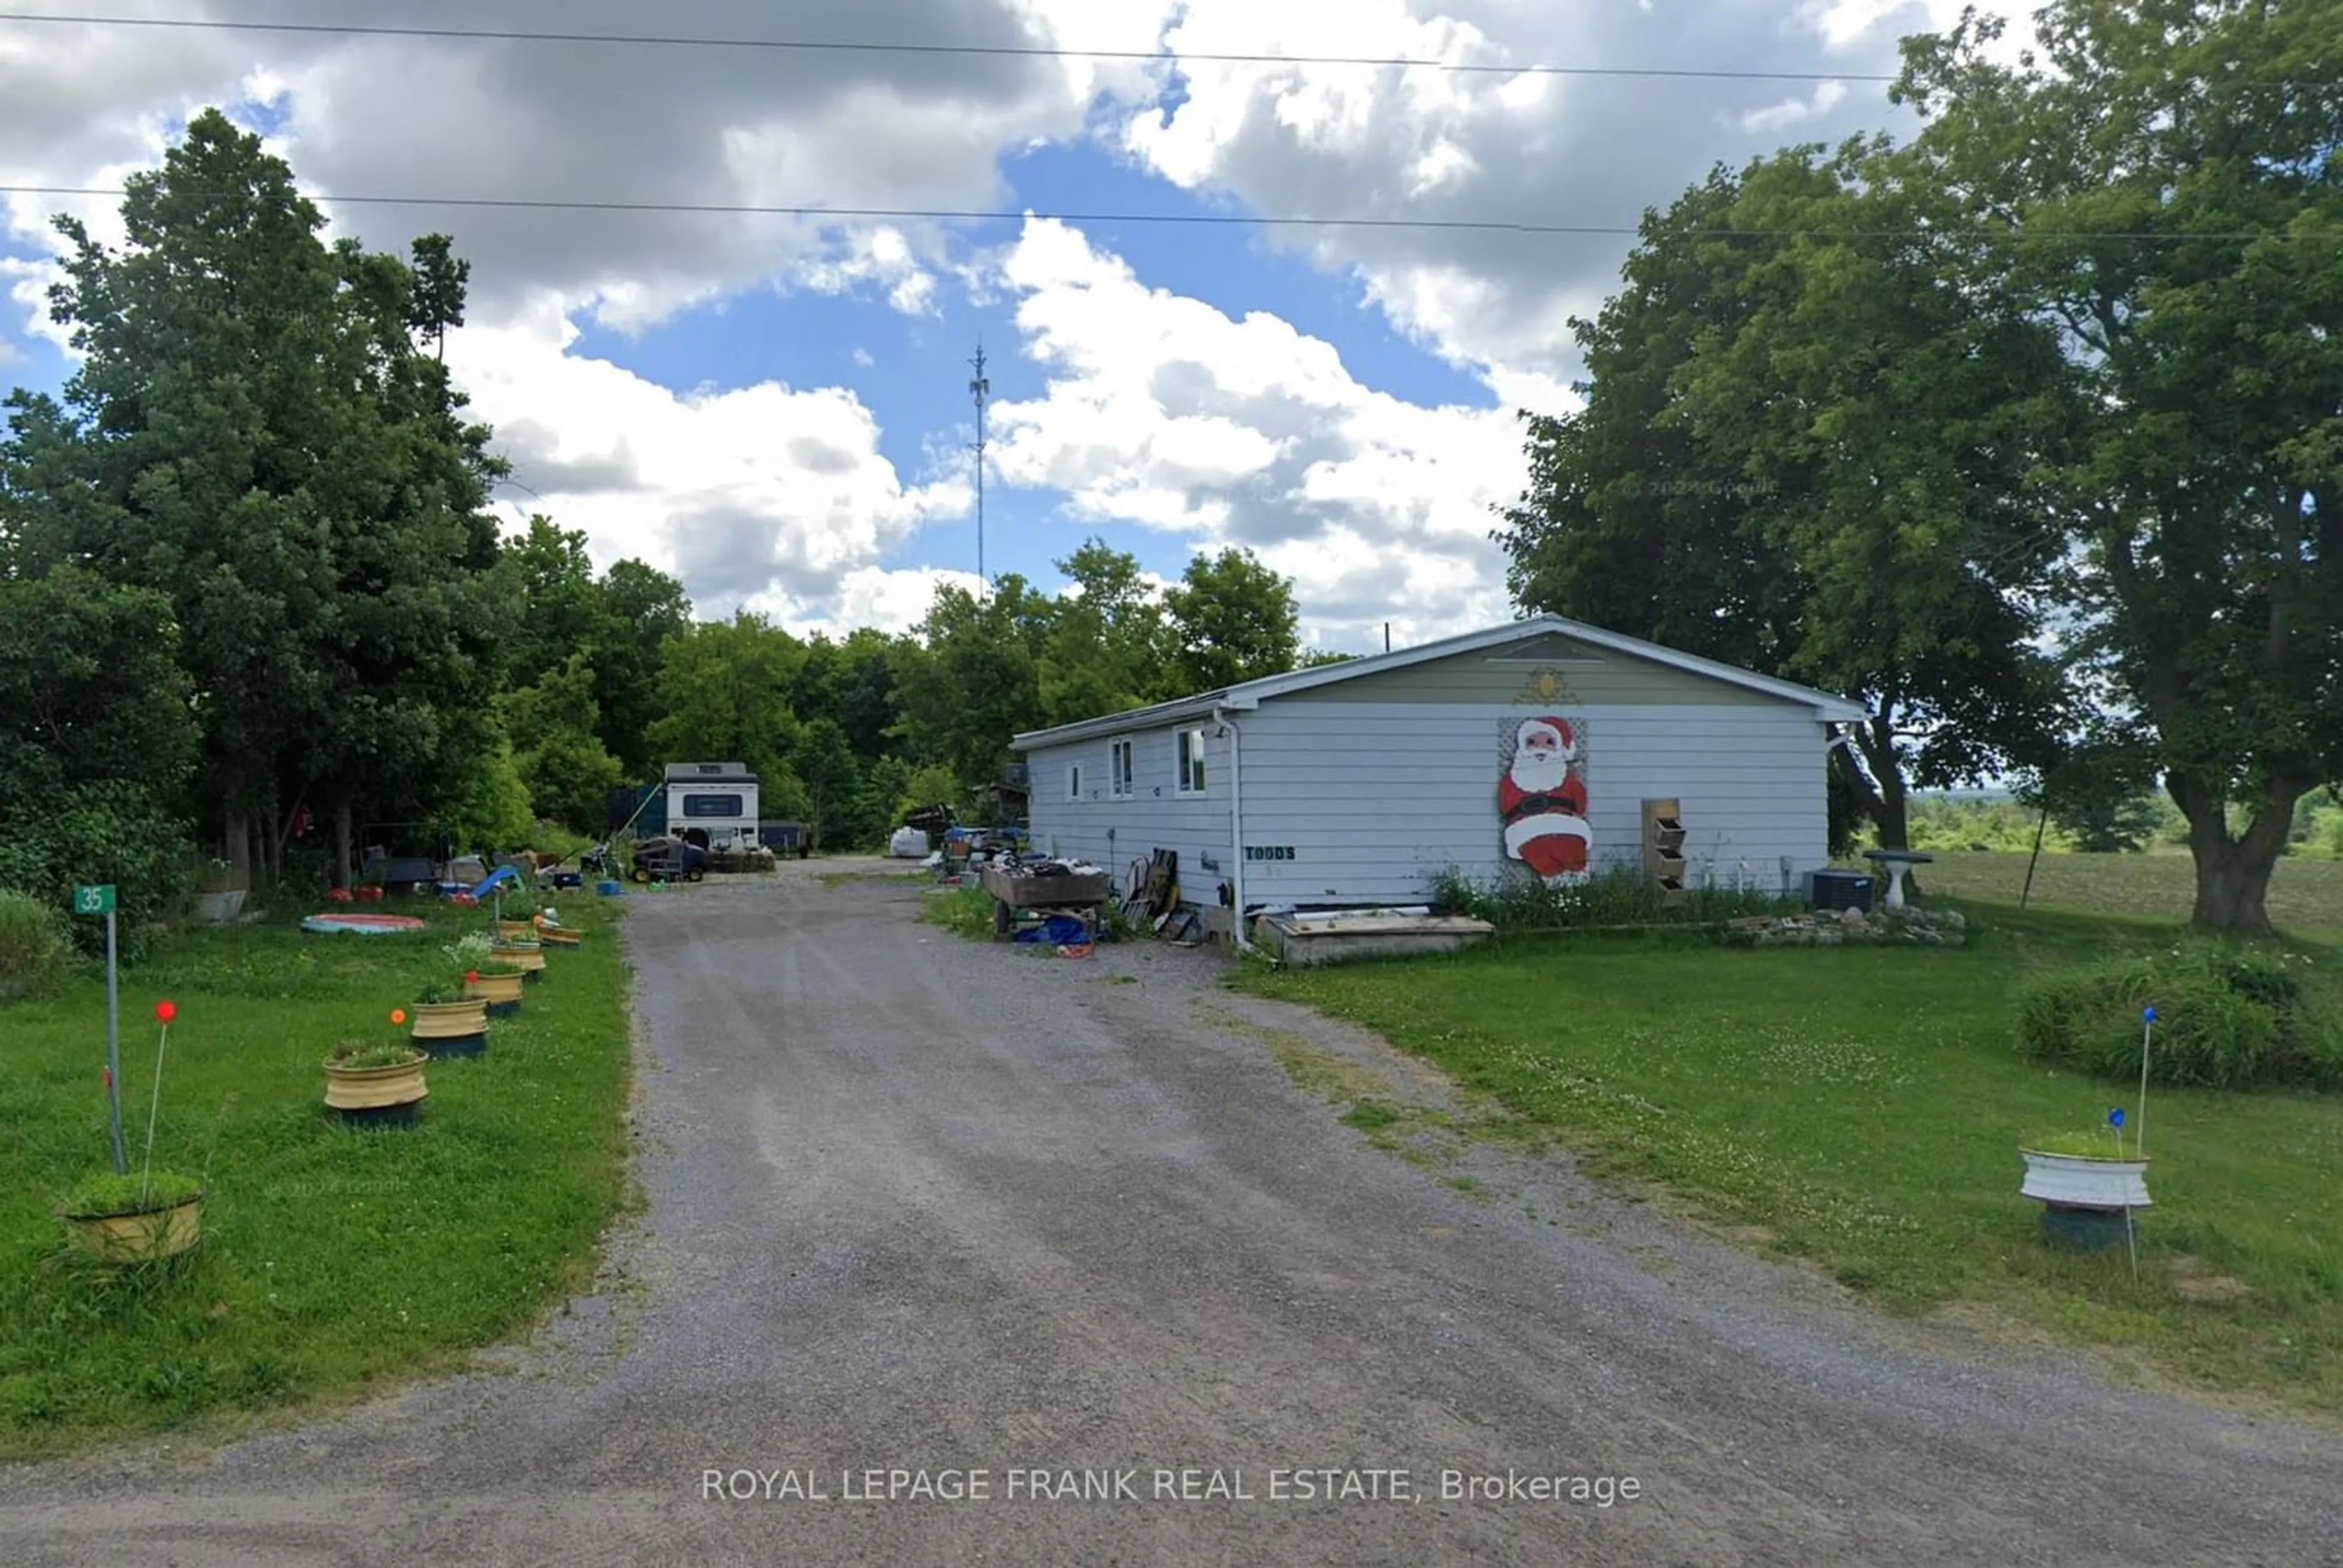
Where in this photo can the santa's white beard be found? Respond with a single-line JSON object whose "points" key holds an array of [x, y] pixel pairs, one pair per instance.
{"points": [[1533, 776]]}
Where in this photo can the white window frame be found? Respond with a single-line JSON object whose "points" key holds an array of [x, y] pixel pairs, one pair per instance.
{"points": [[1119, 768], [1188, 754], [1073, 780]]}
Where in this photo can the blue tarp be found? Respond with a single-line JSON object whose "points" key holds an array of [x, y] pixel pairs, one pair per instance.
{"points": [[1057, 930]]}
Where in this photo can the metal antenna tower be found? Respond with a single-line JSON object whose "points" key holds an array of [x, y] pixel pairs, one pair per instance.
{"points": [[980, 388]]}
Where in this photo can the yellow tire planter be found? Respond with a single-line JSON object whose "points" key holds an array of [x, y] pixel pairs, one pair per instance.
{"points": [[451, 1028], [143, 1237], [529, 960], [377, 1096], [558, 938], [500, 993], [515, 931]]}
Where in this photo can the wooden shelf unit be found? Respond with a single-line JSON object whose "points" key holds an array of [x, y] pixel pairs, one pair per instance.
{"points": [[1663, 843]]}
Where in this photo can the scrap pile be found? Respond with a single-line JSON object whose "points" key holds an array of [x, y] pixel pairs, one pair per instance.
{"points": [[740, 856], [1152, 898]]}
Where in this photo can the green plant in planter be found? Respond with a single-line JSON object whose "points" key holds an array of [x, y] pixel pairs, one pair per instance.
{"points": [[2104, 1144], [216, 876], [470, 952], [129, 1217], [438, 993], [131, 1192], [359, 1055], [497, 969]]}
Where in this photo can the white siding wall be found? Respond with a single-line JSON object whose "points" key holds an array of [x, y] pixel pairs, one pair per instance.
{"points": [[1113, 833], [1374, 799]]}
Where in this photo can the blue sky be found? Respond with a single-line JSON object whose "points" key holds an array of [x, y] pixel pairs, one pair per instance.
{"points": [[780, 415]]}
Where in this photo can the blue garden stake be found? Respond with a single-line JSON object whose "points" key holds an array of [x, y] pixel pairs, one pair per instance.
{"points": [[2115, 1120], [2146, 1033]]}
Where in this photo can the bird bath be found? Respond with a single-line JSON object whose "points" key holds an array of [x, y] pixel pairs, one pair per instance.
{"points": [[1893, 864]]}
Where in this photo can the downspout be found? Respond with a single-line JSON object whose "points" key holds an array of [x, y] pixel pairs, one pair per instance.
{"points": [[1236, 835]]}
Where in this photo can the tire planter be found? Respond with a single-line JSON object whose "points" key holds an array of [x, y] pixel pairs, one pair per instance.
{"points": [[377, 1096], [2087, 1203], [515, 931], [144, 1236], [220, 908], [451, 1028], [500, 992], [529, 957], [559, 939]]}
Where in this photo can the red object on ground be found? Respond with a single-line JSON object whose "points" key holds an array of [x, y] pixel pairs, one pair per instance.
{"points": [[370, 895], [167, 1010], [337, 896], [1075, 950]]}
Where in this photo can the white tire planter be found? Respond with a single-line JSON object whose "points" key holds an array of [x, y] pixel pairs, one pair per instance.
{"points": [[220, 908], [2074, 1182]]}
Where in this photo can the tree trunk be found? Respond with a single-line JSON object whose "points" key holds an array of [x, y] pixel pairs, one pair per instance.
{"points": [[2233, 874], [343, 833], [236, 842], [1887, 799]]}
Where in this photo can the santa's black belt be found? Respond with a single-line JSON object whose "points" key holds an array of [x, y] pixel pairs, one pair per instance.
{"points": [[1538, 806]]}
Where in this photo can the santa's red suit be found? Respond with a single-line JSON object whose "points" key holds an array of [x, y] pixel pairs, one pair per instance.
{"points": [[1543, 801]]}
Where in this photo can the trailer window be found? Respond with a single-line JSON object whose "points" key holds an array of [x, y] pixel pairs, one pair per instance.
{"points": [[712, 806], [1120, 753], [1192, 762]]}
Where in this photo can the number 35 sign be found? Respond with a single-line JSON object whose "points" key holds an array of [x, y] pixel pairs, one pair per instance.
{"points": [[94, 901]]}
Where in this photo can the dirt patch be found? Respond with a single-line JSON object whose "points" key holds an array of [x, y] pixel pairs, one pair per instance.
{"points": [[2196, 1281]]}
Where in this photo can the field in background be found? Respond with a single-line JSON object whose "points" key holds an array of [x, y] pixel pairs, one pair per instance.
{"points": [[2306, 894]]}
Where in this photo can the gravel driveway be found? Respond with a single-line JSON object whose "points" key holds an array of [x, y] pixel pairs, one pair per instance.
{"points": [[931, 1207]]}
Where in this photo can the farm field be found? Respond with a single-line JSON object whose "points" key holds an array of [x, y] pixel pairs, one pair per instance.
{"points": [[2306, 894]]}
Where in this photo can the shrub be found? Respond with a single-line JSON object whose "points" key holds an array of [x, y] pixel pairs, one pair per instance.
{"points": [[109, 832], [1616, 895], [2226, 1018], [34, 945]]}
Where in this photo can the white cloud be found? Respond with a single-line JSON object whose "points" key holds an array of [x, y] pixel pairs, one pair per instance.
{"points": [[1163, 411], [1156, 409], [1775, 119], [1419, 144], [761, 496]]}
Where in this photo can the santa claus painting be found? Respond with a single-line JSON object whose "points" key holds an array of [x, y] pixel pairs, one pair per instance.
{"points": [[1543, 800]]}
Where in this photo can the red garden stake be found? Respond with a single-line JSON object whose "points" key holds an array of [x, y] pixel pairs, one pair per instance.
{"points": [[165, 1012]]}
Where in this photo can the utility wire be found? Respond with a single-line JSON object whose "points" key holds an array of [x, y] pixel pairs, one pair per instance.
{"points": [[1004, 215], [995, 51]]}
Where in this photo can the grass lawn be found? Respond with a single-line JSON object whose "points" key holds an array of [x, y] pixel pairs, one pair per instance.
{"points": [[331, 1258], [2305, 895], [1863, 1108]]}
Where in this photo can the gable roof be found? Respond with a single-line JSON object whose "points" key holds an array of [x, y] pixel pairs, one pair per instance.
{"points": [[1539, 629]]}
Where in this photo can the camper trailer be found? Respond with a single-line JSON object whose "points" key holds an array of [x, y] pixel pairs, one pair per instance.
{"points": [[712, 804]]}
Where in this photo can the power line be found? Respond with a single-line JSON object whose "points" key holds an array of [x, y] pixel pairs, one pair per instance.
{"points": [[995, 51], [1212, 219]]}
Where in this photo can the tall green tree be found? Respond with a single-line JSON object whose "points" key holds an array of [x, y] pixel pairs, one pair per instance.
{"points": [[1108, 648], [972, 681], [726, 686], [2163, 188], [1806, 451], [646, 609], [1233, 619], [556, 750], [833, 785], [255, 433]]}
